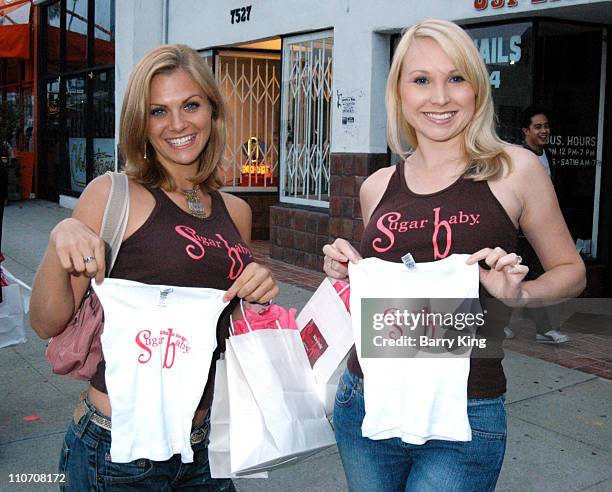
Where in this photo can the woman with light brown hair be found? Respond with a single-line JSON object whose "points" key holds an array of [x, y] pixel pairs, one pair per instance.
{"points": [[441, 122], [173, 137]]}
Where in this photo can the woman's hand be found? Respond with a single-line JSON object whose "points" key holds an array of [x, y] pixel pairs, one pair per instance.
{"points": [[337, 257], [255, 284], [79, 249], [504, 279]]}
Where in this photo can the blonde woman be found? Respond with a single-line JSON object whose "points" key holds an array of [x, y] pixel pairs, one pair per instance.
{"points": [[439, 104], [173, 138]]}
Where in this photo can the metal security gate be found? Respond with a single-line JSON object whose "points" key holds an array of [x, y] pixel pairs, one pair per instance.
{"points": [[306, 118], [250, 82]]}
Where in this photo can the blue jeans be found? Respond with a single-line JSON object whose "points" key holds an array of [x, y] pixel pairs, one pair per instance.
{"points": [[85, 460], [391, 465]]}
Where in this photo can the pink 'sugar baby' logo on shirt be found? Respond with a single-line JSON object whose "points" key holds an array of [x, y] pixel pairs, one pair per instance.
{"points": [[391, 223], [166, 340], [196, 249]]}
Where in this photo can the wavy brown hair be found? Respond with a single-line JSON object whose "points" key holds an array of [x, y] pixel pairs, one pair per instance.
{"points": [[135, 118], [484, 150]]}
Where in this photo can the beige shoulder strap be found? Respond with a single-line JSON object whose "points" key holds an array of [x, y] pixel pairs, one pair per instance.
{"points": [[116, 215]]}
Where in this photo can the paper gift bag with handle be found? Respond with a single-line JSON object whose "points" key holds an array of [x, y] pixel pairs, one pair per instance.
{"points": [[13, 310], [326, 331], [276, 416], [219, 442]]}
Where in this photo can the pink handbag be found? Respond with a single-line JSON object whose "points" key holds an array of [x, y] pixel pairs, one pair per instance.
{"points": [[77, 350]]}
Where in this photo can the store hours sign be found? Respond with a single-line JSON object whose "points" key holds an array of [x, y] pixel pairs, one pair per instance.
{"points": [[573, 150]]}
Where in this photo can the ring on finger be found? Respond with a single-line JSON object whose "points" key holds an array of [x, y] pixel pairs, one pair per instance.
{"points": [[88, 259], [330, 263], [519, 260]]}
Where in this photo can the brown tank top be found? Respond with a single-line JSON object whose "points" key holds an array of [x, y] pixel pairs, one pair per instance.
{"points": [[173, 247], [462, 218]]}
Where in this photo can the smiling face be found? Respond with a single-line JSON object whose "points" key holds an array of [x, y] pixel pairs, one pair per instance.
{"points": [[538, 132], [435, 99], [179, 119]]}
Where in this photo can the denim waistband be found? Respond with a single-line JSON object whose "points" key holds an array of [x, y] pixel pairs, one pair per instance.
{"points": [[103, 422]]}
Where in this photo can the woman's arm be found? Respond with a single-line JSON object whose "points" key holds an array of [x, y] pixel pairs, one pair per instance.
{"points": [[63, 277], [540, 218], [255, 283], [544, 227]]}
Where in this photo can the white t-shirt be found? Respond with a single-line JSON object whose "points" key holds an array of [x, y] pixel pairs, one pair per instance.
{"points": [[544, 160], [415, 399], [157, 343]]}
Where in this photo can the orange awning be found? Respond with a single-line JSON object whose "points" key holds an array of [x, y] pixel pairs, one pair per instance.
{"points": [[15, 29], [15, 41], [76, 47]]}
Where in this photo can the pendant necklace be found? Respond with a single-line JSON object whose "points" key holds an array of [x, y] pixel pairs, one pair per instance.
{"points": [[194, 204]]}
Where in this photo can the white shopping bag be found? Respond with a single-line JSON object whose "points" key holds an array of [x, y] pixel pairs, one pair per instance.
{"points": [[326, 331], [276, 416], [13, 311], [219, 439]]}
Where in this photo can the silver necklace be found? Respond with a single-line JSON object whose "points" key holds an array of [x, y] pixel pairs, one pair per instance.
{"points": [[194, 204]]}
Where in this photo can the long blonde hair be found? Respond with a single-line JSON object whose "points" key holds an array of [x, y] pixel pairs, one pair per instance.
{"points": [[134, 143], [484, 149]]}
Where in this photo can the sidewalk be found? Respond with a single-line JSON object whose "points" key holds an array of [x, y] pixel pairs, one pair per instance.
{"points": [[559, 431]]}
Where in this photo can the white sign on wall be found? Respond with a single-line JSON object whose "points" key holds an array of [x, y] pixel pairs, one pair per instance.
{"points": [[348, 104]]}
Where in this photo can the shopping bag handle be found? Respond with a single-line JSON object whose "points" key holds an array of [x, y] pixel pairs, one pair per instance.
{"points": [[343, 288], [231, 326]]}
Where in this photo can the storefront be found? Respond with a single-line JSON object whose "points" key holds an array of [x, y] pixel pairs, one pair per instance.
{"points": [[249, 78], [17, 89], [76, 84], [306, 88], [544, 62]]}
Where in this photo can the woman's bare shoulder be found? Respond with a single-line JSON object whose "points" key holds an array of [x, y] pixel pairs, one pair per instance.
{"points": [[235, 204], [524, 163], [240, 213], [92, 202], [373, 189], [527, 180], [378, 179]]}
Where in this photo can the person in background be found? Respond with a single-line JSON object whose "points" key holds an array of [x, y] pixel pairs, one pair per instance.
{"points": [[439, 105], [535, 128], [172, 135]]}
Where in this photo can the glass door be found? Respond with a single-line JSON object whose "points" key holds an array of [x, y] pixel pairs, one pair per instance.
{"points": [[250, 82], [50, 138], [571, 87], [76, 131], [103, 122]]}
